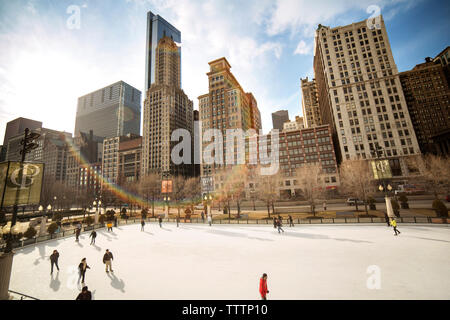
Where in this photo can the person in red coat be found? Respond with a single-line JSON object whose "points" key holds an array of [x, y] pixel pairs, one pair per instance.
{"points": [[263, 286]]}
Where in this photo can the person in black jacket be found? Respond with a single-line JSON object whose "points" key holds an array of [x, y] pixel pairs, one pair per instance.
{"points": [[142, 224], [291, 222], [160, 221], [82, 267], [85, 294], [279, 225], [93, 236], [274, 222], [77, 234], [54, 260], [107, 258]]}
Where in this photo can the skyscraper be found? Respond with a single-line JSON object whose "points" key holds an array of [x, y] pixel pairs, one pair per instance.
{"points": [[279, 118], [166, 108], [110, 112], [360, 94], [427, 94], [310, 103], [14, 128], [157, 28], [226, 106]]}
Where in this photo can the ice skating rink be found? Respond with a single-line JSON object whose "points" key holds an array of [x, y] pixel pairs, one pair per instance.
{"points": [[225, 262]]}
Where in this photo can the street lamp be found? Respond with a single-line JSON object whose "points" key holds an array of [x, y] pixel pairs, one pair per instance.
{"points": [[387, 188], [167, 199], [208, 199]]}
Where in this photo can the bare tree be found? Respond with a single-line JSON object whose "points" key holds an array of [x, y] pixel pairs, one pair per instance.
{"points": [[178, 191], [310, 180], [267, 189], [434, 171], [192, 191], [150, 188], [357, 180]]}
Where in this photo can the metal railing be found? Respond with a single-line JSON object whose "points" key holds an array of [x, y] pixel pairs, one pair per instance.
{"points": [[23, 296], [318, 220]]}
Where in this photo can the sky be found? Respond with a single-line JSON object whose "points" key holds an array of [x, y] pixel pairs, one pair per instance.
{"points": [[54, 51]]}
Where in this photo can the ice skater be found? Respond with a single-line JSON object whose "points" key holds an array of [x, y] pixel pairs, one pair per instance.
{"points": [[263, 287], [77, 234], [93, 235], [54, 260], [160, 221], [109, 225], [82, 267], [274, 222], [203, 217], [291, 222], [85, 294], [394, 225], [279, 225], [178, 221], [324, 206], [107, 260], [142, 224], [209, 220]]}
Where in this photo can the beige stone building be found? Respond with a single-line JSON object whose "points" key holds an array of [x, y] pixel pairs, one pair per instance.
{"points": [[226, 106], [360, 94], [166, 108], [310, 103]]}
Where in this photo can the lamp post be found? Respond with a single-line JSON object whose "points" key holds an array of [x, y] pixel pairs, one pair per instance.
{"points": [[387, 188], [167, 199], [208, 199], [95, 204]]}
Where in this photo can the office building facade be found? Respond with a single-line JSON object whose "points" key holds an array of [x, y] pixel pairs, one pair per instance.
{"points": [[360, 94], [225, 106], [157, 28], [166, 109], [310, 103], [427, 94], [110, 112], [279, 118]]}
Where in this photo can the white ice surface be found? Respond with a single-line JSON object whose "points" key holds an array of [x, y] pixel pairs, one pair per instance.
{"points": [[226, 262]]}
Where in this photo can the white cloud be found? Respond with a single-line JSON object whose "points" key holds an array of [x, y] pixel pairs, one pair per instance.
{"points": [[303, 48], [303, 16]]}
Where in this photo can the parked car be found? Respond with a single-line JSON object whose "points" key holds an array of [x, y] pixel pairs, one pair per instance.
{"points": [[353, 201]]}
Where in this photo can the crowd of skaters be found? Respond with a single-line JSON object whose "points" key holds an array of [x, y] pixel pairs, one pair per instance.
{"points": [[85, 294]]}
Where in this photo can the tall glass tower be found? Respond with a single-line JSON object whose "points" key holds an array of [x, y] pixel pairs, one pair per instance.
{"points": [[157, 28]]}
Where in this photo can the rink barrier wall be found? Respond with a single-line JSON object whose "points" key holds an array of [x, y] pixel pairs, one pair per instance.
{"points": [[70, 232]]}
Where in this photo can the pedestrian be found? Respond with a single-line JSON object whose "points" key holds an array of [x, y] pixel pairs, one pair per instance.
{"points": [[160, 221], [54, 260], [274, 222], [279, 225], [142, 224], [263, 287], [107, 260], [386, 217], [85, 294], [209, 220], [109, 225], [280, 218], [82, 267], [93, 235], [115, 223], [203, 217], [178, 220], [77, 234], [324, 206], [394, 225], [291, 222]]}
